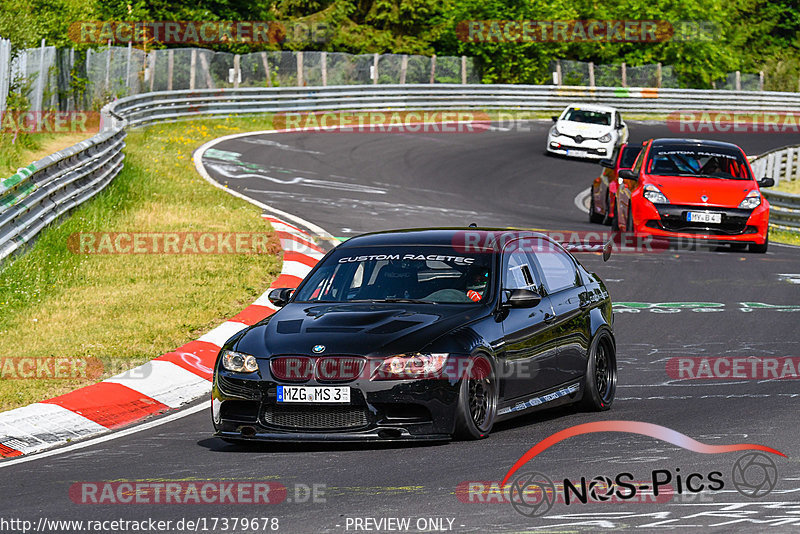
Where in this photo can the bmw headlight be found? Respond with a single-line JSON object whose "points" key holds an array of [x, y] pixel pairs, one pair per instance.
{"points": [[238, 362], [606, 138], [654, 195], [752, 200], [408, 366]]}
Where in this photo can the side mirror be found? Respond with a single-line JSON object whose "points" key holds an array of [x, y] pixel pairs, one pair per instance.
{"points": [[280, 296], [627, 174], [607, 163], [555, 118], [521, 298], [766, 182]]}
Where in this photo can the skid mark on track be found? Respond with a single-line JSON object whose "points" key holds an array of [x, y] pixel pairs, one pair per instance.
{"points": [[236, 172]]}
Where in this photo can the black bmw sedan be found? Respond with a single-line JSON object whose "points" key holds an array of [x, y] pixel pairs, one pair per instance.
{"points": [[420, 335]]}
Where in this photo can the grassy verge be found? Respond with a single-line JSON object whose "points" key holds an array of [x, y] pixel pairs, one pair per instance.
{"points": [[16, 153], [782, 236], [127, 309], [789, 186]]}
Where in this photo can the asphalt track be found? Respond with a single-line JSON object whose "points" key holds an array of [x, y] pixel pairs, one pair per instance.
{"points": [[350, 183]]}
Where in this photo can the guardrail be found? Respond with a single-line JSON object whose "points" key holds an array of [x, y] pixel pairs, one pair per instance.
{"points": [[50, 187], [782, 164], [170, 105], [47, 189]]}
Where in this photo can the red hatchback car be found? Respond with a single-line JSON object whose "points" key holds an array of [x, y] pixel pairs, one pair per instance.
{"points": [[688, 190], [603, 205]]}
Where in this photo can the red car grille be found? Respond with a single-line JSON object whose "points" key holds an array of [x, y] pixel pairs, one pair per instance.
{"points": [[292, 368], [324, 369], [338, 368]]}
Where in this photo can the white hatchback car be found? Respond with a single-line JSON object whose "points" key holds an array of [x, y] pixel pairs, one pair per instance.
{"points": [[587, 131]]}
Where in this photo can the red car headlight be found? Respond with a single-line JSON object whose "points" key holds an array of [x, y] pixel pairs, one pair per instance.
{"points": [[751, 201]]}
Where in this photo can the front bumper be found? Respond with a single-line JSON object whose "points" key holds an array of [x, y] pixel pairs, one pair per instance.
{"points": [[567, 146], [669, 221], [246, 408]]}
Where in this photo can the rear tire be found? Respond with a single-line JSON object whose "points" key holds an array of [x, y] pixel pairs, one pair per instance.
{"points": [[477, 400], [760, 249], [594, 217], [600, 380]]}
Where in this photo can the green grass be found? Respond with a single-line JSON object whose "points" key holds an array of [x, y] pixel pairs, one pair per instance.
{"points": [[127, 309], [782, 236]]}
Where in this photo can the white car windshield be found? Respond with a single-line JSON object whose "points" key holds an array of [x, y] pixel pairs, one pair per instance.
{"points": [[602, 118]]}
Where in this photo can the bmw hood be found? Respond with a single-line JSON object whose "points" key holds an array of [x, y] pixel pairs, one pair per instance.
{"points": [[691, 191], [368, 329]]}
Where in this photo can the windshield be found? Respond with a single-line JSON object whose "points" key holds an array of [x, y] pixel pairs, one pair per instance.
{"points": [[602, 118], [628, 158], [697, 162], [426, 274]]}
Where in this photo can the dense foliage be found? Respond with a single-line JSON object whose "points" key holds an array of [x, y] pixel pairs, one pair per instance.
{"points": [[748, 35]]}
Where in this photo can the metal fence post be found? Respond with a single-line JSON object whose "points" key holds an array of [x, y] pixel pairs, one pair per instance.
{"points": [[738, 80], [433, 68], [624, 74], [300, 69], [128, 67], [108, 68], [761, 80], [39, 96], [404, 69], [375, 69], [152, 69], [464, 70], [658, 74], [170, 68], [591, 74], [558, 72], [324, 65], [5, 58], [237, 72], [193, 69]]}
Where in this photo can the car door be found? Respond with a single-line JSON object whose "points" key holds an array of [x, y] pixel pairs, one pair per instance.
{"points": [[530, 350], [570, 324]]}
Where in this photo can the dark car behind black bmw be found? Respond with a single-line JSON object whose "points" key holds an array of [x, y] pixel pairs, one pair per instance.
{"points": [[423, 335]]}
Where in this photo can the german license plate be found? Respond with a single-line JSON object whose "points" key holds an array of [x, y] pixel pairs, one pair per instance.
{"points": [[577, 153], [314, 394], [704, 217]]}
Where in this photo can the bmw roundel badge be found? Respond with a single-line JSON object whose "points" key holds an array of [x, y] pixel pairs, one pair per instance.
{"points": [[318, 349]]}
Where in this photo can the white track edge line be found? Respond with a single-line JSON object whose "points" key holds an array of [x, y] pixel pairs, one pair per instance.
{"points": [[106, 437]]}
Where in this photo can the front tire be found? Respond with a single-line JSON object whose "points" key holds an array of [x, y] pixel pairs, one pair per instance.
{"points": [[477, 400], [600, 380]]}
